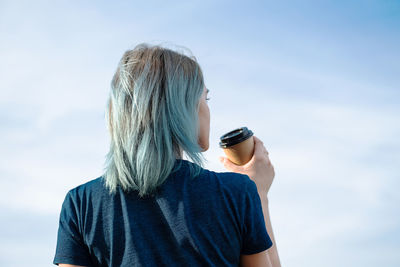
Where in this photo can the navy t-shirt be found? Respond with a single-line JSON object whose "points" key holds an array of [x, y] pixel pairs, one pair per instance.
{"points": [[206, 221]]}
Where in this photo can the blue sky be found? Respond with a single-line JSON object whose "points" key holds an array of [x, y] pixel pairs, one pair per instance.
{"points": [[317, 81]]}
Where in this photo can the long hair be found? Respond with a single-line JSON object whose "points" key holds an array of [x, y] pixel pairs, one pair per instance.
{"points": [[152, 117]]}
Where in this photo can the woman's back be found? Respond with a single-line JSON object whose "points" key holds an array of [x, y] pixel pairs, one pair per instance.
{"points": [[206, 221]]}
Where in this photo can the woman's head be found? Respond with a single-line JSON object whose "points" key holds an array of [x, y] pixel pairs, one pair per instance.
{"points": [[155, 112]]}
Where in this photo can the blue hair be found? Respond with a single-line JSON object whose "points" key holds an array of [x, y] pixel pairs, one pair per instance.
{"points": [[152, 117]]}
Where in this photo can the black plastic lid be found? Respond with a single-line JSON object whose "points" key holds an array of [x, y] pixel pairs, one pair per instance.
{"points": [[235, 137]]}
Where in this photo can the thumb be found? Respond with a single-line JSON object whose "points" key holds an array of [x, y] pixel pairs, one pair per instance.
{"points": [[229, 165]]}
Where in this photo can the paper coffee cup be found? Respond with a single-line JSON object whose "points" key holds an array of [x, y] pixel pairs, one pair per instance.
{"points": [[238, 145]]}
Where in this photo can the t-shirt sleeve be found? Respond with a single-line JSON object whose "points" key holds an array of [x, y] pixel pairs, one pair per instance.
{"points": [[255, 235], [70, 245]]}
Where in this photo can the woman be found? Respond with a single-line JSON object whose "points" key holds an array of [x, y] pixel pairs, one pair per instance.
{"points": [[151, 207]]}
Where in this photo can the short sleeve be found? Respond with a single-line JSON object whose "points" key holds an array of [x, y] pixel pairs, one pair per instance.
{"points": [[70, 246], [255, 235]]}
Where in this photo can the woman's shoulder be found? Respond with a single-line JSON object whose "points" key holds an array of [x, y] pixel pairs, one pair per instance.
{"points": [[232, 180], [81, 191]]}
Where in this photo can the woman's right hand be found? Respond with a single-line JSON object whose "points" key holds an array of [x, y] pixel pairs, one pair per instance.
{"points": [[259, 168]]}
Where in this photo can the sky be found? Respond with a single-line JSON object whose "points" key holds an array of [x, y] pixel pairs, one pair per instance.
{"points": [[317, 81]]}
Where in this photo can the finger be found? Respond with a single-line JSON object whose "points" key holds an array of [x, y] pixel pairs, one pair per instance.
{"points": [[228, 164], [258, 147], [257, 140]]}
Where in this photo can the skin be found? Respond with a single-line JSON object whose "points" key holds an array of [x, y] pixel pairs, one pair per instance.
{"points": [[204, 121]]}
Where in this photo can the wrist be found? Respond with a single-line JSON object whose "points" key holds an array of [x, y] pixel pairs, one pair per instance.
{"points": [[263, 196]]}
